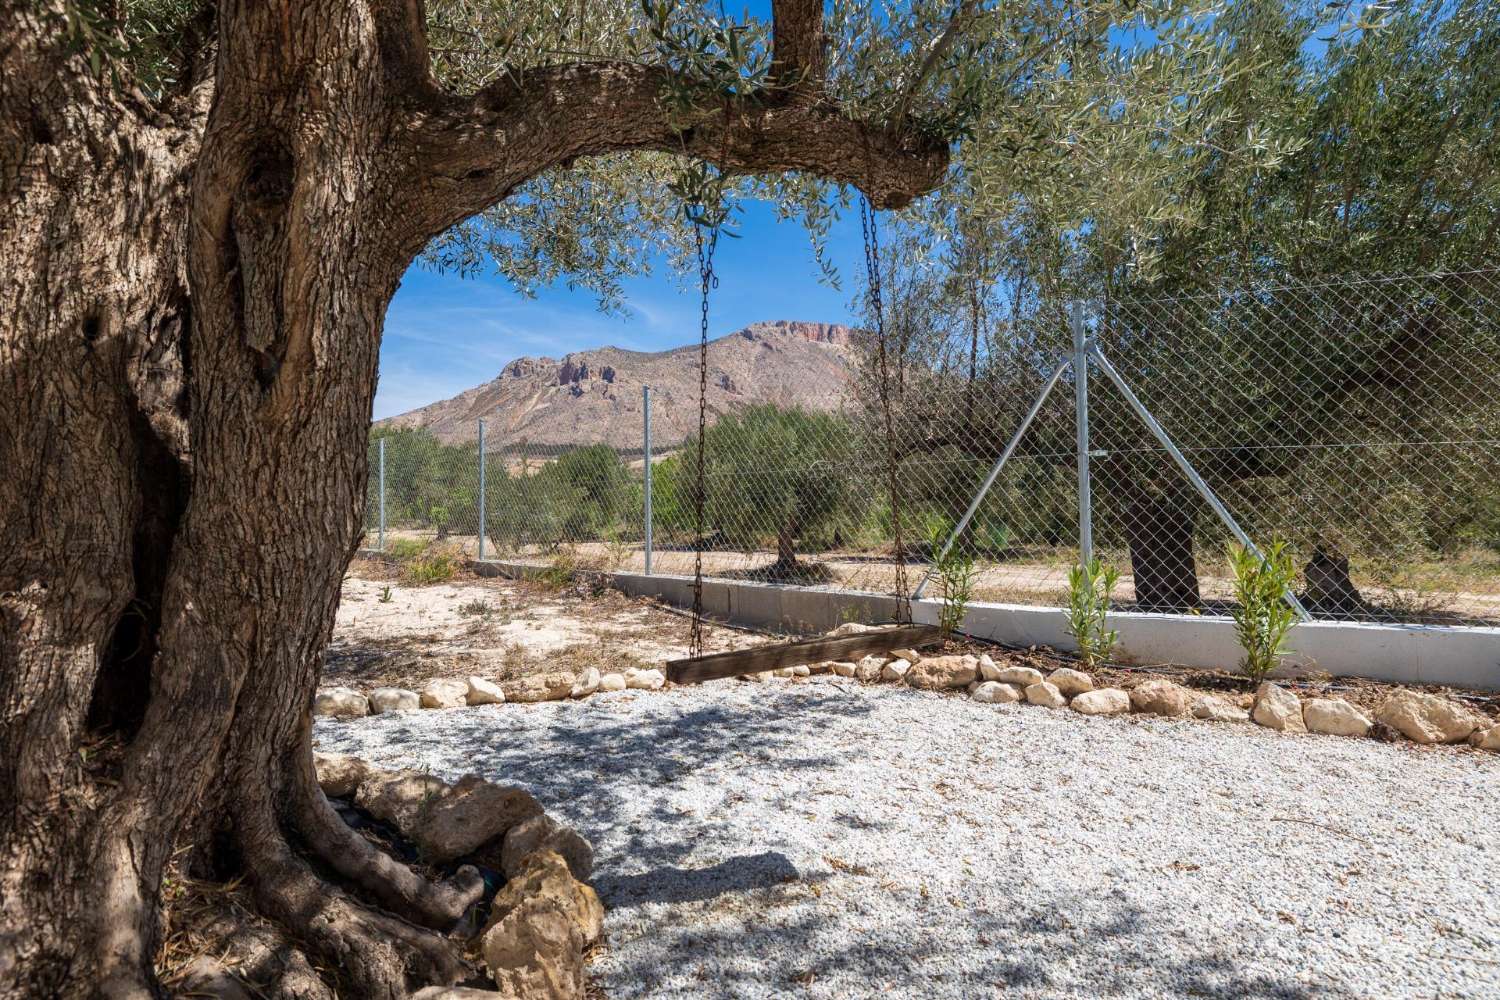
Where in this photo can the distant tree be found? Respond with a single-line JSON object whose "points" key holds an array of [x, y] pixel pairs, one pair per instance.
{"points": [[774, 473]]}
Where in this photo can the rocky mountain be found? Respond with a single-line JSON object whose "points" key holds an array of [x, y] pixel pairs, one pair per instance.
{"points": [[592, 397]]}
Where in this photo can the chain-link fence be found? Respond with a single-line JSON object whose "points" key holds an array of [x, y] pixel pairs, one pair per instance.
{"points": [[1355, 421]]}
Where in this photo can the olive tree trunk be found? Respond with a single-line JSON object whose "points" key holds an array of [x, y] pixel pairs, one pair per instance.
{"points": [[191, 301]]}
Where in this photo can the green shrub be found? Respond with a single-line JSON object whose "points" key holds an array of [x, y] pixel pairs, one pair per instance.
{"points": [[1089, 590], [405, 548], [955, 571], [1262, 616], [434, 565]]}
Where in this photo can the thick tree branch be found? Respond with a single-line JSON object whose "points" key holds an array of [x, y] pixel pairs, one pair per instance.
{"points": [[470, 153], [797, 62]]}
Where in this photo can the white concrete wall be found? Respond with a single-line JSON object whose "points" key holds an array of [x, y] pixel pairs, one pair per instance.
{"points": [[1413, 654]]}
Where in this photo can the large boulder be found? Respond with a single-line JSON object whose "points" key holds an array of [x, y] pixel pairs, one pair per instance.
{"points": [[340, 703], [869, 668], [1216, 709], [1160, 697], [942, 673], [457, 821], [1104, 701], [1428, 718], [542, 832], [1486, 739], [645, 680], [339, 775], [1046, 694], [996, 693], [587, 683], [1335, 717], [612, 682], [393, 699], [853, 628], [895, 671], [1023, 677], [398, 797], [483, 692], [541, 922], [1277, 708], [554, 685], [445, 692], [1070, 682]]}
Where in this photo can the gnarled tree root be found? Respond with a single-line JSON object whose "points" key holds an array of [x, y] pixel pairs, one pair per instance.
{"points": [[386, 880]]}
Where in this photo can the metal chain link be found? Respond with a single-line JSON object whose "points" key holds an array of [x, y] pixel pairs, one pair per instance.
{"points": [[707, 281], [870, 228]]}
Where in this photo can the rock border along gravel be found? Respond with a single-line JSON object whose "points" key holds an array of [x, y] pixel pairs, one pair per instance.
{"points": [[1422, 718], [826, 839]]}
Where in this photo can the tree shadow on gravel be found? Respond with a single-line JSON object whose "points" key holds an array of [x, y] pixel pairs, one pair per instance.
{"points": [[1043, 949]]}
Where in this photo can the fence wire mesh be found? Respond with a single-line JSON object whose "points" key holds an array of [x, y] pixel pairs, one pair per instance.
{"points": [[1357, 421]]}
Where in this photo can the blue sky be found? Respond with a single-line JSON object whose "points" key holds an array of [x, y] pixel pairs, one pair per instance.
{"points": [[444, 334]]}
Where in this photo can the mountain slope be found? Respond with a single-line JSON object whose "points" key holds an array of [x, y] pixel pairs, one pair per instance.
{"points": [[593, 397]]}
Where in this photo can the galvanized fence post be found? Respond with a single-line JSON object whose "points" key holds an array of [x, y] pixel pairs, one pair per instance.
{"points": [[382, 494], [1081, 405], [481, 490], [646, 468]]}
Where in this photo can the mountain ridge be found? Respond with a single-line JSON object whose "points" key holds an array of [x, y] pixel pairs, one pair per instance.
{"points": [[594, 396]]}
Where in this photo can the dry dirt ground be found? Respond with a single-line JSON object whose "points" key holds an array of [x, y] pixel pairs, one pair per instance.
{"points": [[389, 633]]}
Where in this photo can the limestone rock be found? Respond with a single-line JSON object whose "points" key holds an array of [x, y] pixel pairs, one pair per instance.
{"points": [[1428, 718], [341, 703], [645, 680], [781, 672], [989, 670], [1160, 697], [1334, 716], [586, 684], [445, 692], [941, 673], [1104, 701], [909, 655], [1024, 676], [459, 993], [854, 628], [843, 668], [541, 922], [1486, 739], [820, 668], [895, 670], [1071, 682], [541, 832], [868, 669], [553, 685], [1216, 709], [339, 775], [483, 692], [1046, 694], [398, 797], [388, 699], [996, 693], [1277, 708], [612, 682], [459, 819], [802, 670]]}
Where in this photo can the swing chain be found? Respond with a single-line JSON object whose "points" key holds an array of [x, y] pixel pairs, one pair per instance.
{"points": [[869, 227], [707, 281]]}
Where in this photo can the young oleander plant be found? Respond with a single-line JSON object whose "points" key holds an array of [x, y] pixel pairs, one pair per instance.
{"points": [[1089, 589], [1262, 616]]}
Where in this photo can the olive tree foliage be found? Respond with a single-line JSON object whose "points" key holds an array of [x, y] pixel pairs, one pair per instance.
{"points": [[1271, 145]]}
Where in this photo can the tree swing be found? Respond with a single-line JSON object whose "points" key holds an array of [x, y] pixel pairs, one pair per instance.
{"points": [[696, 666]]}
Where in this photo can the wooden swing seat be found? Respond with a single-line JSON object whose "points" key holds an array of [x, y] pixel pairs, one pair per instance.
{"points": [[819, 649]]}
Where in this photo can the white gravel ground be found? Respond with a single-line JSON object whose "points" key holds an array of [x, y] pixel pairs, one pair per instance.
{"points": [[824, 839]]}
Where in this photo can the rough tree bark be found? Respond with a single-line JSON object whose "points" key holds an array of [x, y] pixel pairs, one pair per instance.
{"points": [[190, 317], [1159, 533]]}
